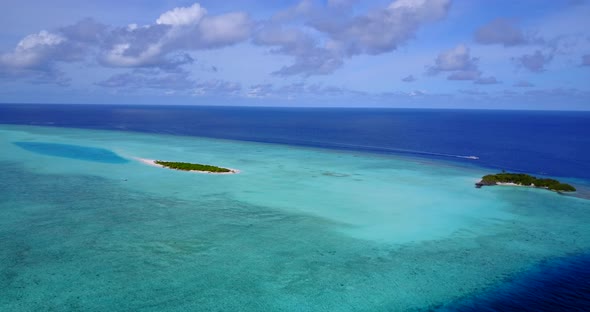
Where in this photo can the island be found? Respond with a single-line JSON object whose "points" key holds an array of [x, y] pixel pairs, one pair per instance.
{"points": [[192, 167], [184, 166], [521, 179]]}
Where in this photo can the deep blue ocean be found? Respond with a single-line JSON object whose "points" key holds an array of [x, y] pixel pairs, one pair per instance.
{"points": [[547, 143]]}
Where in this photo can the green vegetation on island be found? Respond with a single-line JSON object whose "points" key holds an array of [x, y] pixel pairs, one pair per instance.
{"points": [[525, 180], [190, 167]]}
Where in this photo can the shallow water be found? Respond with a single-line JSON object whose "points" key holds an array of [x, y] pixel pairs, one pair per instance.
{"points": [[299, 229]]}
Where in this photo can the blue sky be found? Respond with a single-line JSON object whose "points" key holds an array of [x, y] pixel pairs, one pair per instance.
{"points": [[406, 53]]}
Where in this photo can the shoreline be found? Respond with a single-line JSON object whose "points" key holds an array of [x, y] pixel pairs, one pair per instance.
{"points": [[513, 184], [151, 162], [522, 185], [529, 186]]}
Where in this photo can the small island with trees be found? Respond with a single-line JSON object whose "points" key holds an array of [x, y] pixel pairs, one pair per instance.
{"points": [[184, 166], [521, 179], [191, 167]]}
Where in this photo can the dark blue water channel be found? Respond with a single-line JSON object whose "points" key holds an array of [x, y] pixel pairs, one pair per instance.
{"points": [[72, 151], [559, 285]]}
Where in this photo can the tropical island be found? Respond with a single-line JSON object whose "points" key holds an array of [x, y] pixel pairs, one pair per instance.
{"points": [[521, 179], [192, 167], [184, 166]]}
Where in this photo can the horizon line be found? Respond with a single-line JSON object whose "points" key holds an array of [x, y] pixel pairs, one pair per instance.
{"points": [[308, 107]]}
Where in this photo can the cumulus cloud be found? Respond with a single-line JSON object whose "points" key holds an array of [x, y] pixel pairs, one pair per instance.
{"points": [[86, 31], [226, 29], [133, 51], [182, 16], [460, 65], [344, 35], [457, 62], [324, 36], [309, 58], [299, 10], [145, 46], [35, 58], [500, 31], [534, 62], [180, 29], [165, 44], [455, 59], [382, 30], [33, 50]]}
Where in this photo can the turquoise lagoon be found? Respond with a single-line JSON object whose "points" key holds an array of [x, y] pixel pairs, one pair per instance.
{"points": [[298, 229]]}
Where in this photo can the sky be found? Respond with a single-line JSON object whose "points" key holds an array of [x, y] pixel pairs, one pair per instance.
{"points": [[475, 54]]}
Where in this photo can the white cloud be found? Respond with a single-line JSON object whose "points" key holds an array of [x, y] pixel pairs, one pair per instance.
{"points": [[35, 56], [32, 51], [457, 58], [117, 57], [42, 38], [226, 28], [460, 65], [182, 16], [383, 30], [309, 59], [178, 30], [163, 45], [333, 33]]}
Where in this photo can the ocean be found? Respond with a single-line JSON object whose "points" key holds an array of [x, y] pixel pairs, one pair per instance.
{"points": [[334, 209]]}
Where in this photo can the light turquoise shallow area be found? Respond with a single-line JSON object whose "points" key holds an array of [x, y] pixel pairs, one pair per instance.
{"points": [[297, 230]]}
